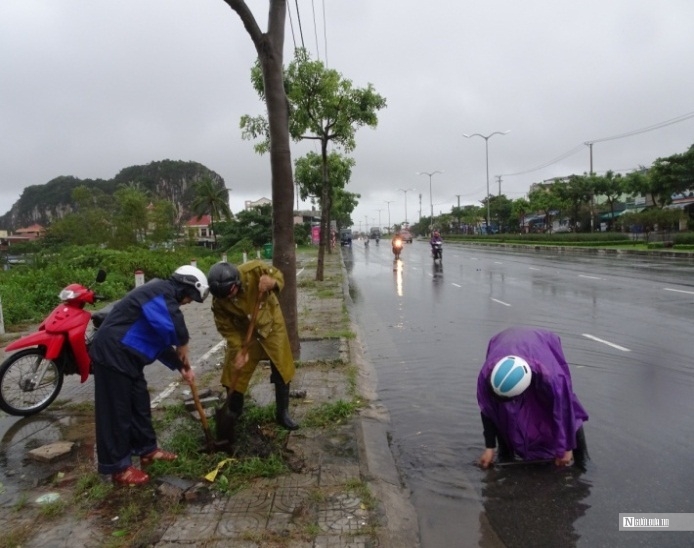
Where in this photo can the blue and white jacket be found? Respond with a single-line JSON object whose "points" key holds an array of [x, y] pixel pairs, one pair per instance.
{"points": [[142, 327]]}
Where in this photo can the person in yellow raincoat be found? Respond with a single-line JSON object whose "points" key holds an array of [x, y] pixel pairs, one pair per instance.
{"points": [[235, 291]]}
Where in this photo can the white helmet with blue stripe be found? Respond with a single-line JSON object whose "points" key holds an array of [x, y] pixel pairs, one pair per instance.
{"points": [[511, 376]]}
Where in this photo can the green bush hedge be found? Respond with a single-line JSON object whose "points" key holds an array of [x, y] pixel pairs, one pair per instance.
{"points": [[29, 292]]}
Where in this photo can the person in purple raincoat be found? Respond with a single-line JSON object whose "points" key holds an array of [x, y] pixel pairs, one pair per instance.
{"points": [[527, 401]]}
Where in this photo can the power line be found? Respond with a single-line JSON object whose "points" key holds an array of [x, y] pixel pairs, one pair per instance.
{"points": [[315, 28], [571, 152], [291, 24], [325, 35], [298, 18], [578, 148], [644, 130]]}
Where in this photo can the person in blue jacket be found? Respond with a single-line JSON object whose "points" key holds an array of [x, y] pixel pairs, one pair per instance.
{"points": [[527, 401], [146, 325]]}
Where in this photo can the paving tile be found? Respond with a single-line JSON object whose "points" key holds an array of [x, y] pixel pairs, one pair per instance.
{"points": [[191, 528]]}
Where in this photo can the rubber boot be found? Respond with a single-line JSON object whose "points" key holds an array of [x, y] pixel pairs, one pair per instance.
{"points": [[235, 403], [282, 406]]}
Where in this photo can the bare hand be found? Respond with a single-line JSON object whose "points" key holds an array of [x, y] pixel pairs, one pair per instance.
{"points": [[566, 460], [486, 459], [188, 374], [266, 283], [241, 359], [182, 352]]}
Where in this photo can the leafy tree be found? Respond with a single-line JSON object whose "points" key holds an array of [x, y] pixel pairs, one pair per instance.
{"points": [[323, 107], [343, 204], [253, 225], [650, 219], [87, 224], [131, 217], [671, 175], [610, 186], [543, 199], [500, 208], [162, 218], [213, 200], [308, 174], [269, 47], [519, 209], [575, 194]]}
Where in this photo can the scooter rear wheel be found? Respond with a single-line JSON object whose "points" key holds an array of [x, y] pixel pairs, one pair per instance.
{"points": [[22, 395]]}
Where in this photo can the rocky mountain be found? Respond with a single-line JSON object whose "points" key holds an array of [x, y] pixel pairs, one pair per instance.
{"points": [[166, 179]]}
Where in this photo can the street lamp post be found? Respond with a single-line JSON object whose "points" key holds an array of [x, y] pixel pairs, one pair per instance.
{"points": [[388, 202], [431, 200], [486, 147], [406, 190], [379, 218]]}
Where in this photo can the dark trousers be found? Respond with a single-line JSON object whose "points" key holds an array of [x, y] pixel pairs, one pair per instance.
{"points": [[123, 419]]}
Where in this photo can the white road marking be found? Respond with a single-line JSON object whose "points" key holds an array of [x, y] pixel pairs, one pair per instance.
{"points": [[498, 262], [533, 268], [589, 277], [172, 386], [456, 285], [678, 290], [500, 302], [587, 336]]}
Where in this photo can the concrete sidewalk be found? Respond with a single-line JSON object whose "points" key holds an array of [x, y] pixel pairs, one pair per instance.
{"points": [[344, 490]]}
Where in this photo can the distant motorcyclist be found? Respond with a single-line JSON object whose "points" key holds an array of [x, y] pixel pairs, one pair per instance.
{"points": [[396, 244], [436, 243]]}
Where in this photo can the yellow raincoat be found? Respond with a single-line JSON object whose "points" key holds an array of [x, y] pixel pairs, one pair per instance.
{"points": [[270, 339]]}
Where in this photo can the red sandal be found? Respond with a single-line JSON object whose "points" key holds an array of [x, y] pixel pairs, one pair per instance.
{"points": [[130, 476], [157, 454]]}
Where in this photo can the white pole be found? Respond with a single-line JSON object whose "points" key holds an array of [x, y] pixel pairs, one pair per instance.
{"points": [[139, 278], [2, 320], [224, 257], [245, 257]]}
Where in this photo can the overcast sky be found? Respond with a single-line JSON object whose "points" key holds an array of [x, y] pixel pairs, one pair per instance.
{"points": [[91, 87]]}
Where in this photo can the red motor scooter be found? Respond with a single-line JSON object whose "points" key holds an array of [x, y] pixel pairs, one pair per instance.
{"points": [[32, 378]]}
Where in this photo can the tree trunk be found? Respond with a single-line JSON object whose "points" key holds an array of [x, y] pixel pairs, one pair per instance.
{"points": [[270, 53], [324, 215]]}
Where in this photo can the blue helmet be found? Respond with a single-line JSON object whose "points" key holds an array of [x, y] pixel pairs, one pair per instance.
{"points": [[510, 376]]}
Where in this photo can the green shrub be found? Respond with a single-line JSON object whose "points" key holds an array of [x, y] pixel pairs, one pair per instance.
{"points": [[29, 292]]}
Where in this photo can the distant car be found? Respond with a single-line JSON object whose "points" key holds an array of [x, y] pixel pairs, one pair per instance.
{"points": [[346, 237], [406, 235]]}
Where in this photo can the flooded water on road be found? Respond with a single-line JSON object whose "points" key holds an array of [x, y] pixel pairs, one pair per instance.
{"points": [[426, 330]]}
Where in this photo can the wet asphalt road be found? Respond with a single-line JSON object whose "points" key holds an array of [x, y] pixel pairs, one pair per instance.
{"points": [[627, 329]]}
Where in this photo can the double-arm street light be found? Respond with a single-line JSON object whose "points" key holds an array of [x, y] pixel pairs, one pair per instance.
{"points": [[406, 190], [431, 201], [486, 147]]}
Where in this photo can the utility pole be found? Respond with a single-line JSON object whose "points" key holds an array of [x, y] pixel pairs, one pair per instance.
{"points": [[458, 227], [498, 180]]}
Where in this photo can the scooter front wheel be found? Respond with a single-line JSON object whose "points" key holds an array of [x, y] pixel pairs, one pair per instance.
{"points": [[28, 382]]}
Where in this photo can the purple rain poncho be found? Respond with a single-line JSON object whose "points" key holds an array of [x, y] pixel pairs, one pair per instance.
{"points": [[542, 422]]}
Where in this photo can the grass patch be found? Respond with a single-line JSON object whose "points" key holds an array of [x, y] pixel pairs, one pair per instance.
{"points": [[90, 490], [361, 490], [17, 536], [329, 414], [52, 510], [85, 407]]}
